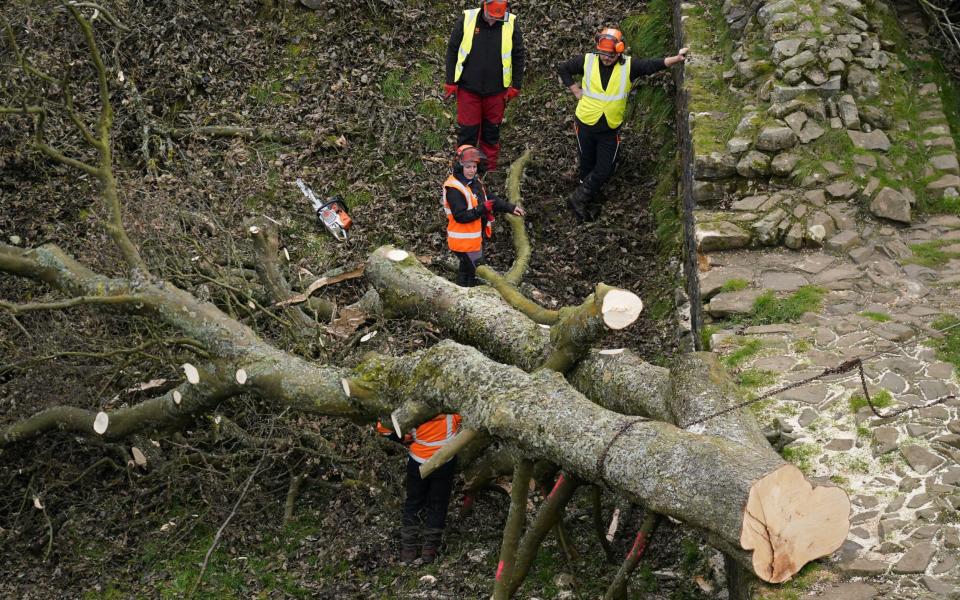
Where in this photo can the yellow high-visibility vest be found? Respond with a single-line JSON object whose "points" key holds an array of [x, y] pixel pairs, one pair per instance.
{"points": [[506, 44], [610, 102]]}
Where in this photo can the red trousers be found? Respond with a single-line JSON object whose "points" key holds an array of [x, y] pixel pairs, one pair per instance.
{"points": [[479, 118]]}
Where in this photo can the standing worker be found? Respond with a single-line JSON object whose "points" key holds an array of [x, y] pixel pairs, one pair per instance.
{"points": [[485, 59], [601, 82], [429, 495], [470, 212]]}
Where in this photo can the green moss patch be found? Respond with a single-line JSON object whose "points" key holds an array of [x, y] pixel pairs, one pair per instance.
{"points": [[708, 35], [879, 317]]}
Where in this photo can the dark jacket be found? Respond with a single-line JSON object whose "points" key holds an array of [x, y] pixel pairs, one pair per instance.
{"points": [[483, 69], [571, 71], [458, 204]]}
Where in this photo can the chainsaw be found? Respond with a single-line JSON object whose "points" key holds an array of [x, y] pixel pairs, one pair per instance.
{"points": [[332, 213]]}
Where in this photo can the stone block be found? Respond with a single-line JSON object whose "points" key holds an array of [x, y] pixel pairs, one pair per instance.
{"points": [[721, 235], [716, 165], [774, 138], [946, 162], [891, 204], [940, 187], [753, 164], [843, 241], [732, 303], [875, 140]]}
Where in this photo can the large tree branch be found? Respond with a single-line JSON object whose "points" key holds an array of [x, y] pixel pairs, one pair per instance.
{"points": [[174, 410], [703, 480], [40, 306]]}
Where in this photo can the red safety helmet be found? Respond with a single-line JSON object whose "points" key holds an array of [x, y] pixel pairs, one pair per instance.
{"points": [[470, 154], [496, 9], [610, 41]]}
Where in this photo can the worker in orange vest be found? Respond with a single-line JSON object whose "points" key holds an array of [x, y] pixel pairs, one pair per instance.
{"points": [[470, 211], [428, 495]]}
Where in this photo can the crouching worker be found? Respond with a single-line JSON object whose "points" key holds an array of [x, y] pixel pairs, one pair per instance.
{"points": [[470, 211], [427, 498]]}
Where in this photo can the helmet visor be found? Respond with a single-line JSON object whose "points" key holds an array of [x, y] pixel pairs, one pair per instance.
{"points": [[495, 9], [607, 44], [472, 155]]}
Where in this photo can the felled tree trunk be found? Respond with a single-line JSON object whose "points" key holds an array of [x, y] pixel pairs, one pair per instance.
{"points": [[479, 316], [620, 380], [705, 481]]}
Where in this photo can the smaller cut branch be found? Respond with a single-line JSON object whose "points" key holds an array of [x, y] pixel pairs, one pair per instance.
{"points": [[445, 453], [521, 243], [18, 309], [618, 588], [246, 133], [548, 517], [519, 492]]}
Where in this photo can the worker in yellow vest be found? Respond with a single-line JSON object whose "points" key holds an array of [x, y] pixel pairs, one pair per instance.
{"points": [[601, 82], [470, 211], [427, 498], [485, 62]]}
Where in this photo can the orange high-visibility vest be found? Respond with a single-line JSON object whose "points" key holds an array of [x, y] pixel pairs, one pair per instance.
{"points": [[462, 237], [429, 436]]}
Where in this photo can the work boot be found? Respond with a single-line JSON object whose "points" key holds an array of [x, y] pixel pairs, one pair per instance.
{"points": [[577, 203], [408, 543], [592, 211], [431, 544]]}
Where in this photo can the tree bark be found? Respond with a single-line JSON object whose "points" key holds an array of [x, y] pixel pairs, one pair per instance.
{"points": [[705, 481], [702, 480], [480, 317]]}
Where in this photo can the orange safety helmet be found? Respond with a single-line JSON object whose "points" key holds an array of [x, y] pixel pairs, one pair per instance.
{"points": [[610, 41], [467, 154], [496, 9]]}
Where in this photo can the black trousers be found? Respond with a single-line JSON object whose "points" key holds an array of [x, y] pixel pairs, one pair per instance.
{"points": [[467, 273], [598, 158], [430, 496]]}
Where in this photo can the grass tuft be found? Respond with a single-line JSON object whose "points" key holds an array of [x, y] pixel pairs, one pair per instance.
{"points": [[768, 309], [879, 317], [881, 399], [931, 254], [748, 348], [756, 378], [801, 455], [735, 285], [948, 346]]}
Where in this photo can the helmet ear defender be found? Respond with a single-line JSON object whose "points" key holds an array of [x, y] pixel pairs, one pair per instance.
{"points": [[468, 153], [614, 36]]}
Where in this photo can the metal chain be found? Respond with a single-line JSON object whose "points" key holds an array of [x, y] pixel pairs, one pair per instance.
{"points": [[844, 367], [839, 369], [623, 428], [894, 413]]}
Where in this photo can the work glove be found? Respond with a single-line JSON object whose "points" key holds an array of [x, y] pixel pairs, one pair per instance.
{"points": [[512, 93], [449, 90], [488, 210]]}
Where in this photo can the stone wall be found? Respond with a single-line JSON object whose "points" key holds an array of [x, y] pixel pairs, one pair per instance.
{"points": [[818, 144], [803, 115]]}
